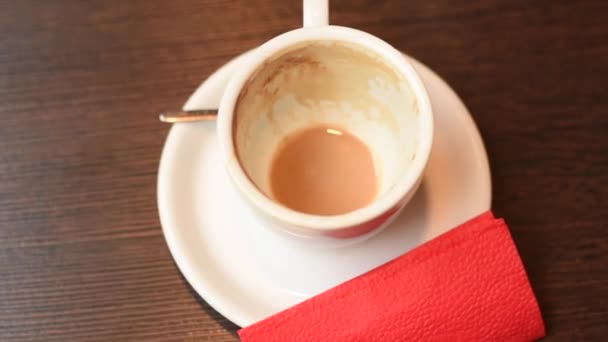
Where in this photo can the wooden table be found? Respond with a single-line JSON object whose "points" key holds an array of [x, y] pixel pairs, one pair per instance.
{"points": [[82, 256]]}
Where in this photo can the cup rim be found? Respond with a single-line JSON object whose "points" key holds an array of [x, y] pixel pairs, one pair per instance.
{"points": [[406, 183]]}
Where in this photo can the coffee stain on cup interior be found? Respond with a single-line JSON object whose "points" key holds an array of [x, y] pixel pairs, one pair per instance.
{"points": [[331, 83]]}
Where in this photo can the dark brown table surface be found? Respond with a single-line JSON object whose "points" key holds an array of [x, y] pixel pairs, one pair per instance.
{"points": [[82, 256]]}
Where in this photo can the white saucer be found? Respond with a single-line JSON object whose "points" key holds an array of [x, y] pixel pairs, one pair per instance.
{"points": [[248, 272]]}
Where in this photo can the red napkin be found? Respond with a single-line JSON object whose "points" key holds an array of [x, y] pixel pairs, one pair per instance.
{"points": [[466, 285]]}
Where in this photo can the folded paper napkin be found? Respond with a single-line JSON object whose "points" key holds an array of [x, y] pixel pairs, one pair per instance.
{"points": [[466, 285]]}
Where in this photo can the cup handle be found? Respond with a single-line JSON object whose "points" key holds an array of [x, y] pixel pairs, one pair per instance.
{"points": [[316, 13]]}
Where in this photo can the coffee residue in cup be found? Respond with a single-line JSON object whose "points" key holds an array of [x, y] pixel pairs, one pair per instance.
{"points": [[323, 171]]}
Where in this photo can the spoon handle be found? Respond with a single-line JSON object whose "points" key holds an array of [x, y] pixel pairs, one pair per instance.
{"points": [[189, 116]]}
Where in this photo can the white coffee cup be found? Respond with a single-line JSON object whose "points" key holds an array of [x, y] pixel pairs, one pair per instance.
{"points": [[329, 75]]}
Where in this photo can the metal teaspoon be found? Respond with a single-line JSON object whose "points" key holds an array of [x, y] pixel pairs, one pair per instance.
{"points": [[188, 116]]}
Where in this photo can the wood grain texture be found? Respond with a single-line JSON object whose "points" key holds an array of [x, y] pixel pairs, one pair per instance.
{"points": [[82, 256]]}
